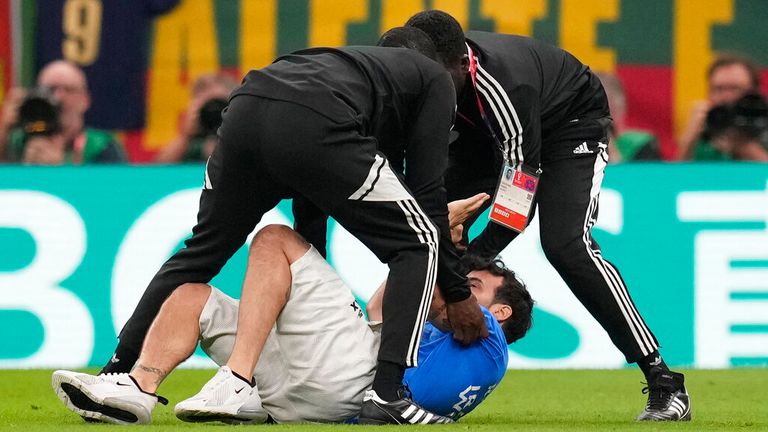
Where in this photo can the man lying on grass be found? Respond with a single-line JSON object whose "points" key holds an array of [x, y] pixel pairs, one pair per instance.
{"points": [[316, 358]]}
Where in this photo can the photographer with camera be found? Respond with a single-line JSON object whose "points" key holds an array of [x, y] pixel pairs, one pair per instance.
{"points": [[45, 125], [737, 131], [197, 132], [728, 125]]}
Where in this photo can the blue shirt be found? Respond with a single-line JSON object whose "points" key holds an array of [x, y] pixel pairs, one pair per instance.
{"points": [[452, 379]]}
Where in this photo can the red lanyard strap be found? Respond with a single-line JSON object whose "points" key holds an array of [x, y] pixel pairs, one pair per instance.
{"points": [[473, 76]]}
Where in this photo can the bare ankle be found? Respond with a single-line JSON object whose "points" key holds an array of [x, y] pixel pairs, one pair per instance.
{"points": [[148, 377]]}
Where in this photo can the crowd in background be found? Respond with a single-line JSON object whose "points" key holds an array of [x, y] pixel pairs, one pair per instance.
{"points": [[46, 125]]}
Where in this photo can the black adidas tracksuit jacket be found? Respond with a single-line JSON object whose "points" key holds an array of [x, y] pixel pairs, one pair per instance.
{"points": [[548, 111], [336, 126]]}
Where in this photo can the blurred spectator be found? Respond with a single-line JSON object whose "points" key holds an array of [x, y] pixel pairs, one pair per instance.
{"points": [[109, 40], [197, 132], [46, 126], [732, 122], [625, 144]]}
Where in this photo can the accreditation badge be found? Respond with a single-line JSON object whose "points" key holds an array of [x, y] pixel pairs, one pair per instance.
{"points": [[514, 197]]}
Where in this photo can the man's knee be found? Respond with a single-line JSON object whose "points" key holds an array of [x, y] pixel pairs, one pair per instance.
{"points": [[190, 296], [563, 252], [283, 238]]}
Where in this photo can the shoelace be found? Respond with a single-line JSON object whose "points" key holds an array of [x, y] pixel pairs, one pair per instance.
{"points": [[111, 374], [405, 392], [658, 398]]}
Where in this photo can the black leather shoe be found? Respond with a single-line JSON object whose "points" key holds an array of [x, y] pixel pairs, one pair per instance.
{"points": [[667, 398], [376, 411]]}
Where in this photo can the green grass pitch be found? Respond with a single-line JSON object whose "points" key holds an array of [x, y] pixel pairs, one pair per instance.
{"points": [[569, 400]]}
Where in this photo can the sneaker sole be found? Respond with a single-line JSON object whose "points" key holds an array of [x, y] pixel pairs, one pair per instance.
{"points": [[366, 421], [685, 418], [79, 400], [193, 416]]}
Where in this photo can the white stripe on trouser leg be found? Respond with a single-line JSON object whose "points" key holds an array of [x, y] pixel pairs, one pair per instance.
{"points": [[617, 281], [618, 289], [427, 234], [644, 330], [617, 286], [621, 296], [426, 299], [373, 176], [207, 184], [381, 184]]}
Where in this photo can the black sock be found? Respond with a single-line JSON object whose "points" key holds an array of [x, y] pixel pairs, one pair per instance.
{"points": [[122, 360], [388, 380], [650, 361], [251, 383]]}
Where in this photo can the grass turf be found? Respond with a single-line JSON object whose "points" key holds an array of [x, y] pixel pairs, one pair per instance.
{"points": [[571, 400]]}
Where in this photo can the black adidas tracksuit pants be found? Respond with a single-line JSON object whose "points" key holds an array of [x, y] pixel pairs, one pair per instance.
{"points": [[291, 150], [567, 205]]}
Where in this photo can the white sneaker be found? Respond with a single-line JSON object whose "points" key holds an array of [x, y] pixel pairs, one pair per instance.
{"points": [[224, 398], [111, 398]]}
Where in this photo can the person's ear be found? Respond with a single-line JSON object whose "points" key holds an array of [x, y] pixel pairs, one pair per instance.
{"points": [[501, 312], [465, 63]]}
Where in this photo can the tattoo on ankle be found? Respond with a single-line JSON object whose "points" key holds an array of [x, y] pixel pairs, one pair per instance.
{"points": [[161, 374]]}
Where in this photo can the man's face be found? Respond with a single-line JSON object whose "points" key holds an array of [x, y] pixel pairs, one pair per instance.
{"points": [[459, 72], [484, 285], [728, 84], [68, 87]]}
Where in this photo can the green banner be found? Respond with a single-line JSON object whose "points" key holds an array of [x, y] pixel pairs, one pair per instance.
{"points": [[691, 241]]}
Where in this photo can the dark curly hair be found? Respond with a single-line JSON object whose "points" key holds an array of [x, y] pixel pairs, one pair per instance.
{"points": [[411, 38], [512, 292], [445, 32]]}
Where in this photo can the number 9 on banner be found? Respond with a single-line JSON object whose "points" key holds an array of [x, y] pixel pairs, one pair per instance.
{"points": [[82, 31]]}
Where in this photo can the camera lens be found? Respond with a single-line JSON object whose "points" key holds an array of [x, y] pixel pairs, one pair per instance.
{"points": [[39, 113], [210, 116]]}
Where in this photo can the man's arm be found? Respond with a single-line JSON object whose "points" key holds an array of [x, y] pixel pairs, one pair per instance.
{"points": [[458, 212], [8, 118], [495, 237], [426, 160]]}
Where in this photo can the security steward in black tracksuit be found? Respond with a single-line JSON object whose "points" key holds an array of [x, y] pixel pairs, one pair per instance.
{"points": [[323, 123], [535, 112]]}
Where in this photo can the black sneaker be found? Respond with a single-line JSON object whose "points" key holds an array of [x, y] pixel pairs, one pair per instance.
{"points": [[376, 411], [667, 398]]}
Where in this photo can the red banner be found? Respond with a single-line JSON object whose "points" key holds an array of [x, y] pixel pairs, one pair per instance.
{"points": [[6, 61]]}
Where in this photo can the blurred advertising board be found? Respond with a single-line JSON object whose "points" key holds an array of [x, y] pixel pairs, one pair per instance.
{"points": [[79, 245]]}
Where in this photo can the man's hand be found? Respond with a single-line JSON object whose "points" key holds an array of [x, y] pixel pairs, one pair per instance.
{"points": [[697, 122], [45, 150], [467, 320], [460, 210], [10, 111], [457, 233]]}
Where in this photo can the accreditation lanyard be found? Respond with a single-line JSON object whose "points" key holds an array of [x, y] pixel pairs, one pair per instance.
{"points": [[480, 107], [516, 189]]}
